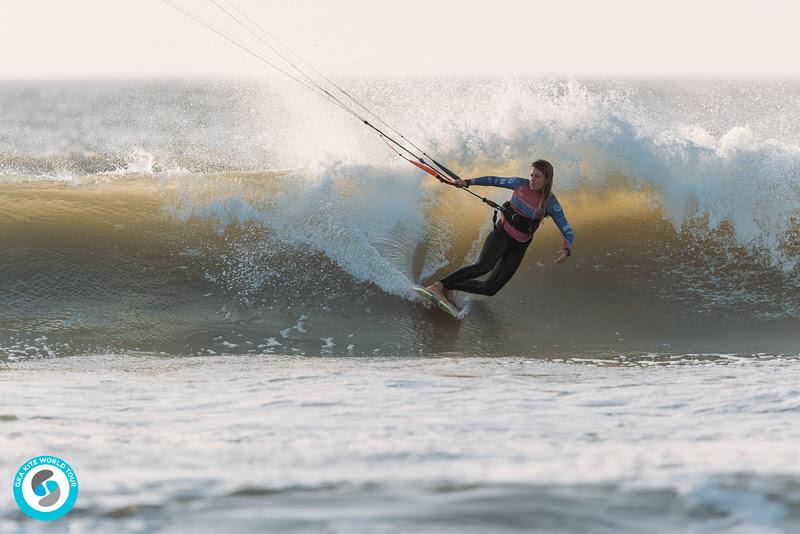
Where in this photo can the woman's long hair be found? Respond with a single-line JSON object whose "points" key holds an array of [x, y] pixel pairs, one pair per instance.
{"points": [[546, 168]]}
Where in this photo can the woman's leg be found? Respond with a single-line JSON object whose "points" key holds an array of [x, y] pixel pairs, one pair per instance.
{"points": [[501, 274], [495, 246]]}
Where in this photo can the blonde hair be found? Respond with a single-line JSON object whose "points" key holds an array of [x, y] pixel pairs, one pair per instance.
{"points": [[546, 168]]}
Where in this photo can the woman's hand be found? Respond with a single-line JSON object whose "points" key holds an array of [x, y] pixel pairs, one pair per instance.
{"points": [[460, 183], [562, 256]]}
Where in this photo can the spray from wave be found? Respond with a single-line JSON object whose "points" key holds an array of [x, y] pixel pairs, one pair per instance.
{"points": [[271, 198]]}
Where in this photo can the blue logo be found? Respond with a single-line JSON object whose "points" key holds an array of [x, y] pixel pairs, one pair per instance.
{"points": [[45, 487]]}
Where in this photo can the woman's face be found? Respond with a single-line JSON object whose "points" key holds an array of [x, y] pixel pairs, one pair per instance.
{"points": [[538, 180]]}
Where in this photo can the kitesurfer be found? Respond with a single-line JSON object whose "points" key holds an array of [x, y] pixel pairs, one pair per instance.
{"points": [[505, 246]]}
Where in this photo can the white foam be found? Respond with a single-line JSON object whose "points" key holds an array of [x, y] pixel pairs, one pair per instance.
{"points": [[367, 214]]}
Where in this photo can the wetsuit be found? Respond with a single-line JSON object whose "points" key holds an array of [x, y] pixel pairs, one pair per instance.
{"points": [[505, 246]]}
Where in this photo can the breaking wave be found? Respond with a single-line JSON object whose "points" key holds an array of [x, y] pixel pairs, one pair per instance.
{"points": [[681, 230]]}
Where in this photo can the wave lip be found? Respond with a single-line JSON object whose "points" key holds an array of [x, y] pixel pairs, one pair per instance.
{"points": [[708, 151]]}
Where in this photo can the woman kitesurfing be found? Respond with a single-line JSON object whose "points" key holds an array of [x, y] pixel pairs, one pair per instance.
{"points": [[505, 246], [531, 201]]}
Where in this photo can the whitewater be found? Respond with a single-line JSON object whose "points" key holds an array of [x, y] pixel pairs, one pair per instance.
{"points": [[213, 279]]}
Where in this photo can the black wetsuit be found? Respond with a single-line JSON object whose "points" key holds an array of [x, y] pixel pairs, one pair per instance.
{"points": [[501, 254]]}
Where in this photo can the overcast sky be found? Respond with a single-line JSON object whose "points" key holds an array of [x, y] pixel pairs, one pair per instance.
{"points": [[609, 38]]}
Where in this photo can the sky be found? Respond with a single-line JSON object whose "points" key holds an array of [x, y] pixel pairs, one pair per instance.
{"points": [[582, 38]]}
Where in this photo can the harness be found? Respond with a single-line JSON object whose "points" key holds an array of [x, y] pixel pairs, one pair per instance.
{"points": [[522, 223]]}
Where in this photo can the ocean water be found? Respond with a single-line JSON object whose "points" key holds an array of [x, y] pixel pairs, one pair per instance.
{"points": [[206, 307]]}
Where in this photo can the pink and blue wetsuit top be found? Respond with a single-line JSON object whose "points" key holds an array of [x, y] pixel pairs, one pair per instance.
{"points": [[526, 202]]}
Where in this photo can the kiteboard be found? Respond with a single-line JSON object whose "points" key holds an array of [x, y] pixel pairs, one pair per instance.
{"points": [[449, 310]]}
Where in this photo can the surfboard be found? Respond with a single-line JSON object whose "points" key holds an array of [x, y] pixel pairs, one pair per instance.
{"points": [[449, 310]]}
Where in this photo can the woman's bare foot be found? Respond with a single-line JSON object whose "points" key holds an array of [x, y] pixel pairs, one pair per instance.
{"points": [[442, 294]]}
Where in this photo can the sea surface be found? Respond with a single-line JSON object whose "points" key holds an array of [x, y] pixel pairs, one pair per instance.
{"points": [[206, 307]]}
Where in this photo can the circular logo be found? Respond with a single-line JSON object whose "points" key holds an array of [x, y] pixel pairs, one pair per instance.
{"points": [[45, 487]]}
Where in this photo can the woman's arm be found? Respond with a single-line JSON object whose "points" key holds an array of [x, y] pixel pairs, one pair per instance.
{"points": [[557, 214], [496, 181]]}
